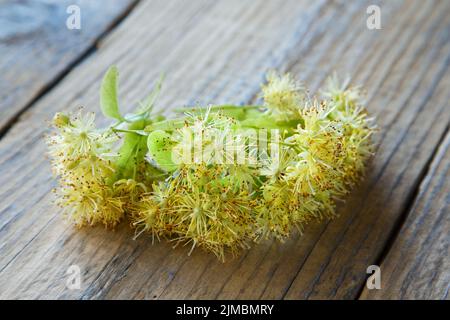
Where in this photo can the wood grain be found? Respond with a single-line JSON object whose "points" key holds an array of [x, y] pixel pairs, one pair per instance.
{"points": [[36, 47], [418, 264], [410, 101], [215, 52]]}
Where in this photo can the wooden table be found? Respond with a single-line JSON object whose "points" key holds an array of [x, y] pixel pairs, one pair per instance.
{"points": [[217, 52]]}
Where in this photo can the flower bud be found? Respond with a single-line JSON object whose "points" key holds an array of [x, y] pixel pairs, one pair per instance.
{"points": [[60, 120]]}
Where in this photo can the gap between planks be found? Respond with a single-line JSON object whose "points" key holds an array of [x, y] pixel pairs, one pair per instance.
{"points": [[77, 60]]}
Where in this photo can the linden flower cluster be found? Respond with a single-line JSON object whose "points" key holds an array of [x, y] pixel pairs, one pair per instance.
{"points": [[209, 178]]}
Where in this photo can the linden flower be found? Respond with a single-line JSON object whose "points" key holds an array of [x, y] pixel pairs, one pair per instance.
{"points": [[81, 156], [274, 165], [205, 138], [198, 205], [319, 148], [241, 177], [214, 221], [78, 142], [282, 96], [209, 178], [151, 214], [280, 210], [89, 203], [129, 191], [356, 126], [340, 93], [303, 174]]}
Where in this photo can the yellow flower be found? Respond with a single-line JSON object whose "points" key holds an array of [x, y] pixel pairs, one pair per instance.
{"points": [[199, 206], [79, 143], [151, 214], [356, 126], [81, 156], [273, 166], [208, 179], [282, 96], [90, 202], [341, 92], [279, 211]]}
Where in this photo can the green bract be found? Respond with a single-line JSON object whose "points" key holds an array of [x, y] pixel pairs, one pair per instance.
{"points": [[218, 177], [160, 146], [108, 95]]}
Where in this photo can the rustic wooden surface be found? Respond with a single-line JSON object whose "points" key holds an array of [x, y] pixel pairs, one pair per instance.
{"points": [[36, 49], [219, 51], [416, 266]]}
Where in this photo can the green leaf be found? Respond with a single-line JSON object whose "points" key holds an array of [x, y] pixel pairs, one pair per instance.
{"points": [[108, 95], [160, 146], [166, 125], [236, 112], [132, 152]]}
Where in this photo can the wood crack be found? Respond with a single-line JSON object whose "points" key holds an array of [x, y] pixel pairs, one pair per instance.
{"points": [[48, 87], [409, 206]]}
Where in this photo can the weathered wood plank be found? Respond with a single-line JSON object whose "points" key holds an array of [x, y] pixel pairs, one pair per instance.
{"points": [[249, 276], [269, 273], [409, 98], [175, 35], [418, 264], [36, 47], [217, 51]]}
